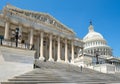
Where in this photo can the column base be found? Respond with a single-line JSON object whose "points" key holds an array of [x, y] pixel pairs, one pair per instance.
{"points": [[67, 61], [59, 60], [72, 61], [51, 59], [41, 58]]}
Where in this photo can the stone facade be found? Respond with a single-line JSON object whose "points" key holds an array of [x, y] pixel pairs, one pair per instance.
{"points": [[52, 40]]}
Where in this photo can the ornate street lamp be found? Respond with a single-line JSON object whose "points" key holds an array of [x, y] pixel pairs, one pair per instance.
{"points": [[96, 55], [1, 38], [16, 36]]}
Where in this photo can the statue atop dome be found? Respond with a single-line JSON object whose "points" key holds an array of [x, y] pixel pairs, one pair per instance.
{"points": [[91, 28], [90, 22]]}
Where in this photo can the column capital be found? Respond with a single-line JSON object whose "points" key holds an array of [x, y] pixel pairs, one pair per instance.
{"points": [[7, 19], [41, 31], [66, 40], [51, 33]]}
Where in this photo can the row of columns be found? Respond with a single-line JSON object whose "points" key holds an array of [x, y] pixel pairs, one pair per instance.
{"points": [[58, 49], [101, 51], [6, 36], [99, 43]]}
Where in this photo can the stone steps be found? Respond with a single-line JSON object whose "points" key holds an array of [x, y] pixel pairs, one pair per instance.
{"points": [[61, 82], [33, 82], [56, 75], [30, 76]]}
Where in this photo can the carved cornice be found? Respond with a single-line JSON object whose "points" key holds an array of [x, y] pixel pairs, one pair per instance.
{"points": [[17, 11]]}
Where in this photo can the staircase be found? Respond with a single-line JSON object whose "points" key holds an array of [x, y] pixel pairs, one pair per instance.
{"points": [[14, 61], [59, 73]]}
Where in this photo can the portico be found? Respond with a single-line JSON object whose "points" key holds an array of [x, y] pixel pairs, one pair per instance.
{"points": [[52, 40]]}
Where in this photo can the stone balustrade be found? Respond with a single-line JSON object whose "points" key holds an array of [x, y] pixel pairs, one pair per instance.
{"points": [[13, 44]]}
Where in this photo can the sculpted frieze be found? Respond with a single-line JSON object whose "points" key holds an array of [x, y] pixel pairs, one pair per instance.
{"points": [[38, 17]]}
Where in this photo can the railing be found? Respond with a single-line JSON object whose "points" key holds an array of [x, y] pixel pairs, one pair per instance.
{"points": [[10, 43]]}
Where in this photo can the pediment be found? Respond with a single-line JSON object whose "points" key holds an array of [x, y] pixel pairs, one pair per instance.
{"points": [[39, 16]]}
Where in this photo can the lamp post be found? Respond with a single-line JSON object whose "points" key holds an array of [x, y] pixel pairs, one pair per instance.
{"points": [[16, 36], [96, 55]]}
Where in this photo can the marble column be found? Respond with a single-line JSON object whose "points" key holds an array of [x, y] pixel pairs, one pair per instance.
{"points": [[58, 51], [72, 53], [6, 35], [38, 47], [105, 51], [46, 49], [93, 52], [54, 53], [66, 51], [50, 48], [41, 47], [82, 51], [20, 33], [31, 38], [20, 30]]}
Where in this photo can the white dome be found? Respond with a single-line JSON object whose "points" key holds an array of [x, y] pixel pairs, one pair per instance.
{"points": [[93, 35], [94, 41]]}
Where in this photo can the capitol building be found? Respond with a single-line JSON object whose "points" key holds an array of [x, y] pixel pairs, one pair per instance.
{"points": [[96, 51], [94, 41], [53, 41]]}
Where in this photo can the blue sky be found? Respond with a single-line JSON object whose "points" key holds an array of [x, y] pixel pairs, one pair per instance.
{"points": [[76, 14]]}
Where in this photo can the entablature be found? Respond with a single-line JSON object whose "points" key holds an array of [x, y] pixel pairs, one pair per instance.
{"points": [[39, 17]]}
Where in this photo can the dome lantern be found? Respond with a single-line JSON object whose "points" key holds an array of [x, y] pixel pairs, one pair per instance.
{"points": [[93, 34]]}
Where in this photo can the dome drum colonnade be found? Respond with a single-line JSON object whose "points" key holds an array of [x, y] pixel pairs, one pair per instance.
{"points": [[51, 43]]}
